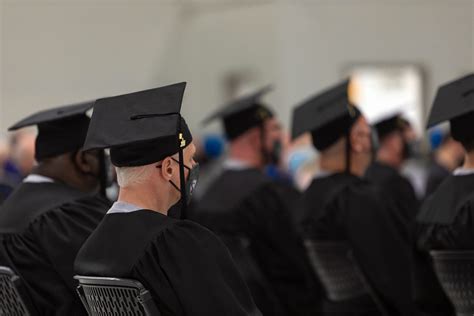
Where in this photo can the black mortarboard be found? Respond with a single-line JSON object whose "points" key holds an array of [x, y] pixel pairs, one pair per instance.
{"points": [[454, 101], [60, 130], [388, 125], [328, 116], [242, 114], [140, 128]]}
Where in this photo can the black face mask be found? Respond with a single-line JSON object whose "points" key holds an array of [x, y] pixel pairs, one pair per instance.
{"points": [[191, 181]]}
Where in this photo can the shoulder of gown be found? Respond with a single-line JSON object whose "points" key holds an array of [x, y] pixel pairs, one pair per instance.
{"points": [[60, 232], [194, 263]]}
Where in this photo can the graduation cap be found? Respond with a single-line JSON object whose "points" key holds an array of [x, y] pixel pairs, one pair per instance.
{"points": [[242, 114], [328, 116], [140, 128], [60, 130], [389, 125], [454, 101]]}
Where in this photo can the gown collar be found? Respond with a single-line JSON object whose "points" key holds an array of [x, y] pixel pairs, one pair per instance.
{"points": [[463, 172], [236, 164], [36, 178], [123, 207], [322, 174]]}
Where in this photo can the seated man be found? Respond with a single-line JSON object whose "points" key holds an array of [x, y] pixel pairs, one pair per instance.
{"points": [[45, 221], [385, 173], [445, 220], [341, 206], [185, 267], [243, 203], [447, 156]]}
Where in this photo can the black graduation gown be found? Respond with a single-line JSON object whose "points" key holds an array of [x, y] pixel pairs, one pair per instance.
{"points": [[396, 187], [245, 203], [342, 207], [445, 221], [185, 267], [436, 174], [42, 226]]}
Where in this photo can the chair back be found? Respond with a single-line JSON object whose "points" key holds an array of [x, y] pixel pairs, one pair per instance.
{"points": [[335, 269], [455, 272], [104, 296], [11, 302]]}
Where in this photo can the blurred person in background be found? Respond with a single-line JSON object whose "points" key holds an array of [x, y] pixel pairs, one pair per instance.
{"points": [[23, 152], [384, 171], [243, 204], [20, 157], [445, 221], [341, 206], [414, 166], [301, 161], [447, 156], [6, 187], [210, 151], [46, 219]]}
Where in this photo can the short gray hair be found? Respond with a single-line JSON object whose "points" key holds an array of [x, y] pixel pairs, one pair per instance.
{"points": [[127, 176]]}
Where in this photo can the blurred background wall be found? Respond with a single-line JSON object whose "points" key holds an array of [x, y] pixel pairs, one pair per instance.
{"points": [[59, 51]]}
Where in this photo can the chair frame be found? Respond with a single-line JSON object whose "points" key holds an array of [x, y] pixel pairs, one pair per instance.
{"points": [[144, 298], [358, 270], [18, 288], [440, 255]]}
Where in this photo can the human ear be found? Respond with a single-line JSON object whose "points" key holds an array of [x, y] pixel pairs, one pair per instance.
{"points": [[84, 161], [167, 168]]}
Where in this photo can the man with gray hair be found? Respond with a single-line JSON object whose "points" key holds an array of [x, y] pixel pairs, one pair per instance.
{"points": [[187, 270]]}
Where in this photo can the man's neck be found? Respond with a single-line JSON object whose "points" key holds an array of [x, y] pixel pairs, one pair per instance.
{"points": [[331, 164], [446, 159], [337, 164], [247, 157], [387, 158], [139, 197], [469, 161]]}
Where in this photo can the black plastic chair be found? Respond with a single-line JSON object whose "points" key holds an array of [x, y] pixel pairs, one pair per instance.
{"points": [[340, 274], [455, 271], [113, 296], [331, 262], [11, 301]]}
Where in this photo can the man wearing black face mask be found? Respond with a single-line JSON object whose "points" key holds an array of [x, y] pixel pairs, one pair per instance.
{"points": [[243, 204], [48, 217], [185, 267], [384, 171]]}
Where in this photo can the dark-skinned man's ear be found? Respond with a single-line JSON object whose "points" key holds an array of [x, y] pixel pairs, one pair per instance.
{"points": [[84, 161]]}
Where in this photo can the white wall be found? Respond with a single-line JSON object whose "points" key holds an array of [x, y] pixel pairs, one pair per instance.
{"points": [[56, 52], [59, 52], [322, 38]]}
